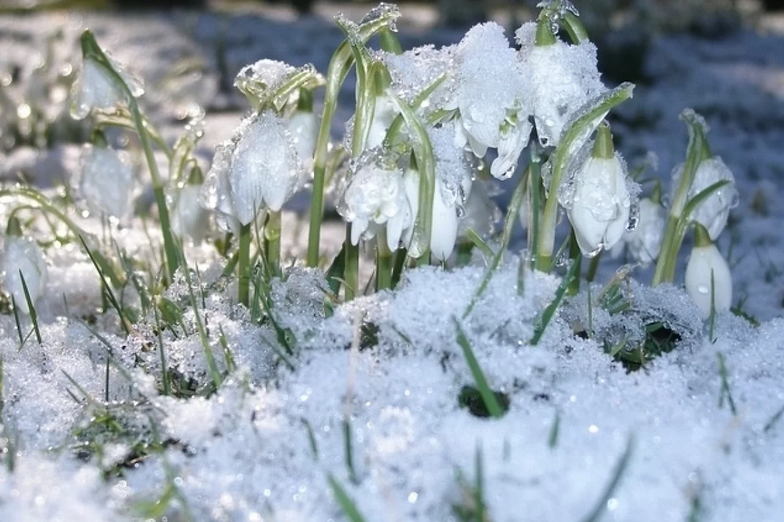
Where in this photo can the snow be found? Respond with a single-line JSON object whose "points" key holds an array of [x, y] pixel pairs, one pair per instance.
{"points": [[245, 452]]}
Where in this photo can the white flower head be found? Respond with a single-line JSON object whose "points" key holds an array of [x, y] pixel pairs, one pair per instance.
{"points": [[96, 89], [563, 78], [23, 254], [304, 127], [714, 211], [705, 264], [106, 182], [375, 196], [417, 69], [265, 167], [216, 194], [490, 96], [644, 242], [600, 204], [188, 218]]}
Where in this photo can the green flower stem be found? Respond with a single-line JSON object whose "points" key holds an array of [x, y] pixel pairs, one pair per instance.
{"points": [[577, 257], [534, 205], [272, 242], [698, 151], [351, 270], [593, 266], [243, 283], [572, 139], [339, 66], [383, 261], [42, 203], [91, 51]]}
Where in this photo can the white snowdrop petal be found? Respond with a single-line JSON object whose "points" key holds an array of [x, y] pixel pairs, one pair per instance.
{"points": [[304, 127], [23, 254], [704, 263], [189, 218], [107, 181], [444, 231], [644, 242]]}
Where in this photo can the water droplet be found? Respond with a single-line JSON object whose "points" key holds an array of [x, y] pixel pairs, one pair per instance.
{"points": [[460, 211], [595, 252], [703, 289], [562, 259], [634, 215], [735, 200]]}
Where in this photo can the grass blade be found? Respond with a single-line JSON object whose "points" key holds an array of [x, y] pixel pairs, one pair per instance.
{"points": [[620, 469], [549, 312], [488, 397], [31, 308], [107, 289], [344, 501]]}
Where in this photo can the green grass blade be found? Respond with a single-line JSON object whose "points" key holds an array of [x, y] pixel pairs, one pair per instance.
{"points": [[107, 289], [549, 312], [31, 308], [344, 501], [725, 385], [18, 323], [620, 470], [488, 397], [162, 353]]}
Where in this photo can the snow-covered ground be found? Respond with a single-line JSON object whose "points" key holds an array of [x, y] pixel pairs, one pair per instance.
{"points": [[696, 435]]}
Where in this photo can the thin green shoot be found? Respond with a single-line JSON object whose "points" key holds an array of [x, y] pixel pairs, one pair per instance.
{"points": [[620, 469], [107, 289], [547, 314], [488, 397], [348, 447], [774, 420], [162, 354], [712, 315], [30, 308], [518, 196], [217, 380], [521, 277], [473, 507], [231, 364], [725, 391], [344, 501], [479, 243], [555, 430], [311, 438], [589, 326], [22, 339]]}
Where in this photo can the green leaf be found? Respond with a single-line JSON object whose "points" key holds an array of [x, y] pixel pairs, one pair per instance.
{"points": [[489, 398], [344, 501]]}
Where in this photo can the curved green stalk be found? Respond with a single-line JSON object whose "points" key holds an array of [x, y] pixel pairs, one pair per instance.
{"points": [[573, 139], [91, 51]]}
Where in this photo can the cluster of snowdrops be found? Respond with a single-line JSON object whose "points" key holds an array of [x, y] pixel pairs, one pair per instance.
{"points": [[412, 176]]}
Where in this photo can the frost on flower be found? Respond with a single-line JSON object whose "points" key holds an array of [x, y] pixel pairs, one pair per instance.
{"points": [[106, 181], [563, 78], [95, 89], [303, 127], [600, 204], [189, 219], [22, 254], [384, 114], [375, 197], [261, 82], [216, 192], [644, 242], [414, 71], [266, 168], [491, 98], [714, 211]]}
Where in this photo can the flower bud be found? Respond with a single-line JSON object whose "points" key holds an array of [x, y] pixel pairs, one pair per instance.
{"points": [[714, 211], [107, 182], [708, 280], [22, 254], [600, 205]]}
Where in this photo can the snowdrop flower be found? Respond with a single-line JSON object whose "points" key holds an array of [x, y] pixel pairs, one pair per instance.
{"points": [[600, 205], [714, 211], [303, 127], [188, 218], [384, 114], [490, 97], [216, 195], [374, 197], [265, 166], [452, 190], [95, 89], [563, 78], [106, 181], [644, 242], [22, 254], [706, 264]]}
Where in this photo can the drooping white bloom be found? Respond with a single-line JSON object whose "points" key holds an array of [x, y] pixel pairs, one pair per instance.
{"points": [[265, 167], [376, 197], [107, 181], [600, 205], [188, 218], [714, 211], [563, 78], [490, 96], [644, 242], [23, 254], [95, 89], [706, 263], [304, 127], [384, 114], [452, 190], [216, 194]]}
